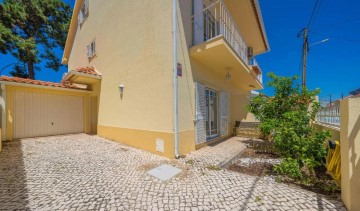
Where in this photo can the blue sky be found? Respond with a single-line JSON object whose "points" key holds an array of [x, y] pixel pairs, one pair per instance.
{"points": [[333, 66]]}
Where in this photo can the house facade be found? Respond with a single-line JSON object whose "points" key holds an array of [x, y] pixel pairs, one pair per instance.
{"points": [[130, 43]]}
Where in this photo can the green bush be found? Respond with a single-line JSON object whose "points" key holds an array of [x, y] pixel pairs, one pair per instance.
{"points": [[287, 119], [289, 167]]}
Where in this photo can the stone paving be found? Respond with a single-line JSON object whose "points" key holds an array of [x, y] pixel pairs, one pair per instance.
{"points": [[82, 172]]}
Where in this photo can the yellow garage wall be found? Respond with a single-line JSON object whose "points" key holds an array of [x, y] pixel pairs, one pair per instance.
{"points": [[10, 93]]}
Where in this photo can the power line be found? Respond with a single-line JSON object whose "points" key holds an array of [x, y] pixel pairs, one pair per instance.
{"points": [[313, 13], [317, 12]]}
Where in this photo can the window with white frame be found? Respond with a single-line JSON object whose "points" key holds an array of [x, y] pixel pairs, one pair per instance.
{"points": [[84, 12], [91, 50]]}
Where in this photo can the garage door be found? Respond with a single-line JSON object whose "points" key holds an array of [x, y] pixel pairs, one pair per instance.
{"points": [[43, 114]]}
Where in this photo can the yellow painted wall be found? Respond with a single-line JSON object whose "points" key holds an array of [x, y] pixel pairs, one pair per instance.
{"points": [[350, 152], [239, 102], [10, 93], [335, 132], [134, 48]]}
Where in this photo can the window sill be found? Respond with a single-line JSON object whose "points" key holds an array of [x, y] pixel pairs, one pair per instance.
{"points": [[92, 57]]}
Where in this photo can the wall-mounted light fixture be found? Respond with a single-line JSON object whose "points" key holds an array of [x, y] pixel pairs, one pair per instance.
{"points": [[227, 76], [121, 88]]}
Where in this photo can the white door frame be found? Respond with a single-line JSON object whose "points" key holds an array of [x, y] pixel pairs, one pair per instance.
{"points": [[209, 135]]}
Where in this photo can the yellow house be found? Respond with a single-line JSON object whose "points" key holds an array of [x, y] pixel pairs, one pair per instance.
{"points": [[131, 44], [143, 76]]}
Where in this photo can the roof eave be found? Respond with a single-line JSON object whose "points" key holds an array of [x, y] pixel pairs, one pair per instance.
{"points": [[72, 31], [11, 83], [75, 73], [262, 26]]}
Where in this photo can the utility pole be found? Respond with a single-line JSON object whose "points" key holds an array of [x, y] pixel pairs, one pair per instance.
{"points": [[304, 59]]}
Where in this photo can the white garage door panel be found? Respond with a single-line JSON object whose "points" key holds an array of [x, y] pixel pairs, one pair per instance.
{"points": [[42, 114]]}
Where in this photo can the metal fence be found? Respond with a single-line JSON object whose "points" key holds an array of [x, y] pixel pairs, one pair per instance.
{"points": [[330, 114], [214, 20]]}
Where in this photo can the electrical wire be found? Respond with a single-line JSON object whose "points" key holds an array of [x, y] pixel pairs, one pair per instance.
{"points": [[313, 13], [317, 12]]}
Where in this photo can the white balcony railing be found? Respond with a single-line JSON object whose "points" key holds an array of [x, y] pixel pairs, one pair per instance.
{"points": [[214, 20], [330, 114]]}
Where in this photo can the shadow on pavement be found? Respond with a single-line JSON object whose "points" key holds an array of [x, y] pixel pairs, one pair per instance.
{"points": [[13, 191]]}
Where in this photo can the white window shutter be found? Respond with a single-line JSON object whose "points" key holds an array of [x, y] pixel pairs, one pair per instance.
{"points": [[223, 114], [200, 106]]}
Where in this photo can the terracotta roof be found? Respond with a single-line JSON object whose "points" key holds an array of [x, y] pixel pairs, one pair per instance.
{"points": [[87, 70], [37, 82]]}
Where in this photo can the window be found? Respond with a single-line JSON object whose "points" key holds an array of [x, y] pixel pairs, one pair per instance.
{"points": [[84, 12], [91, 50]]}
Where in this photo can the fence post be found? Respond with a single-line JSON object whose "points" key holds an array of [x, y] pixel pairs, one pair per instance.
{"points": [[350, 152]]}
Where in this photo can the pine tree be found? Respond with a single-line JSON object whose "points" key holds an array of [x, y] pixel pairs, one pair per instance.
{"points": [[31, 30]]}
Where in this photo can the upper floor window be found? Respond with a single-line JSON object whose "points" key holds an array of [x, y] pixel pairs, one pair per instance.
{"points": [[84, 12], [91, 50]]}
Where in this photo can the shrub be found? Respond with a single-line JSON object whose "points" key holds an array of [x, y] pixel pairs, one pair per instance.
{"points": [[286, 118], [289, 167]]}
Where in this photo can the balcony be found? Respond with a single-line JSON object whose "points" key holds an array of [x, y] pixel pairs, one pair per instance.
{"points": [[218, 43]]}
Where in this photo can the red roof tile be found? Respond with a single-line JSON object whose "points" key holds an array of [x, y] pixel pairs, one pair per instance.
{"points": [[87, 70], [37, 82]]}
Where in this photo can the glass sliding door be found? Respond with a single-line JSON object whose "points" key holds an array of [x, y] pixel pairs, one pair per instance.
{"points": [[212, 114]]}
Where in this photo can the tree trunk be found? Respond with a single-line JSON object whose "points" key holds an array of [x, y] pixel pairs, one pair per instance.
{"points": [[31, 70]]}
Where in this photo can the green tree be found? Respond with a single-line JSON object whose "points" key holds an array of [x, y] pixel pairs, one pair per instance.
{"points": [[31, 30], [287, 119]]}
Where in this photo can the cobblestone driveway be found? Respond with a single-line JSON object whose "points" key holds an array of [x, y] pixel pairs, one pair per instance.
{"points": [[82, 172]]}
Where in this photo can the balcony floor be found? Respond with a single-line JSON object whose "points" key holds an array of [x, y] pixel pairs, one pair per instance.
{"points": [[217, 55]]}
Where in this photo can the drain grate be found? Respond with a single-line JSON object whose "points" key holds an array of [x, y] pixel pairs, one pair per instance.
{"points": [[164, 172]]}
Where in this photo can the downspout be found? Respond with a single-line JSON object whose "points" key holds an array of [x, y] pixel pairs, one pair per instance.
{"points": [[176, 114], [3, 112]]}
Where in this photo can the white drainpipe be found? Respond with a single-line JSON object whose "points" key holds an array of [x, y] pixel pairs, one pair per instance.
{"points": [[3, 112], [176, 114]]}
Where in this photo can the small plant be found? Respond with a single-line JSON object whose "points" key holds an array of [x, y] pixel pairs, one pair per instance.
{"points": [[331, 188], [278, 179], [257, 199], [190, 162], [289, 167], [213, 167]]}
